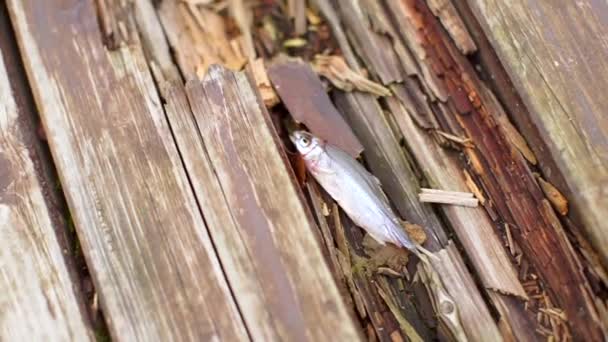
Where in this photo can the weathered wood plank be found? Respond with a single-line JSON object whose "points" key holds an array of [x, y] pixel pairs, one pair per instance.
{"points": [[515, 199], [38, 299], [474, 228], [140, 228], [261, 222], [557, 57], [235, 256]]}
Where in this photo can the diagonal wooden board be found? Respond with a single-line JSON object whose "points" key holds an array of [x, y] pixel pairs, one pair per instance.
{"points": [[263, 233], [142, 233], [34, 278]]}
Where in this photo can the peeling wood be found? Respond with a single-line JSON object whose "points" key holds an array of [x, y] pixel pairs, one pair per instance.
{"points": [[558, 201], [334, 68], [269, 96], [451, 21], [448, 199]]}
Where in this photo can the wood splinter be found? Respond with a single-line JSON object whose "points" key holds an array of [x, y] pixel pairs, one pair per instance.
{"points": [[466, 199]]}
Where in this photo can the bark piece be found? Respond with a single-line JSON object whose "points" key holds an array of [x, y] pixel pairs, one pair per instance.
{"points": [[304, 96]]}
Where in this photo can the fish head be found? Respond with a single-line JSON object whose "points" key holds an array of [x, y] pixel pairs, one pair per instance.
{"points": [[306, 143]]}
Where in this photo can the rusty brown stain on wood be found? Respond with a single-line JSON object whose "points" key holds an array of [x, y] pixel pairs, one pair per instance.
{"points": [[304, 96], [518, 199], [151, 257]]}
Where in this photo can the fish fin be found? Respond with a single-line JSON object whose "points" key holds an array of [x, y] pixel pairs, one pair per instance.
{"points": [[372, 181], [378, 240]]}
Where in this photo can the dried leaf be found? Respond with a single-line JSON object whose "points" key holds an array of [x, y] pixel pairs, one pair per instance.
{"points": [[558, 201], [415, 232], [295, 43], [334, 68], [302, 92], [388, 254]]}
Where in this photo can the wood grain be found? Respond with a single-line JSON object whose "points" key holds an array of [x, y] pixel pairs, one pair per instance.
{"points": [[386, 158], [141, 231], [557, 59], [285, 289], [474, 228], [498, 164], [34, 276]]}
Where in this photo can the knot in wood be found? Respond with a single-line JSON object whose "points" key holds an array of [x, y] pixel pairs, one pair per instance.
{"points": [[446, 307]]}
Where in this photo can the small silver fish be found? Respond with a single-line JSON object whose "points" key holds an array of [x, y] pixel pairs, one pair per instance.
{"points": [[357, 191]]}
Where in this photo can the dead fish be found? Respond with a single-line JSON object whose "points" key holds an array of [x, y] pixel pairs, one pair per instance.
{"points": [[357, 191]]}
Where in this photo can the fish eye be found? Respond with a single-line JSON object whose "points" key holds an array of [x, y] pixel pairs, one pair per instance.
{"points": [[305, 141]]}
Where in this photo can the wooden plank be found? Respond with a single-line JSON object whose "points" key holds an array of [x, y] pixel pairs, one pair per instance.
{"points": [[140, 228], [282, 282], [38, 299], [557, 59], [497, 163]]}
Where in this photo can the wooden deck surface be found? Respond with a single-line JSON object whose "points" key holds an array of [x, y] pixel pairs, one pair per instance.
{"points": [[194, 226]]}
